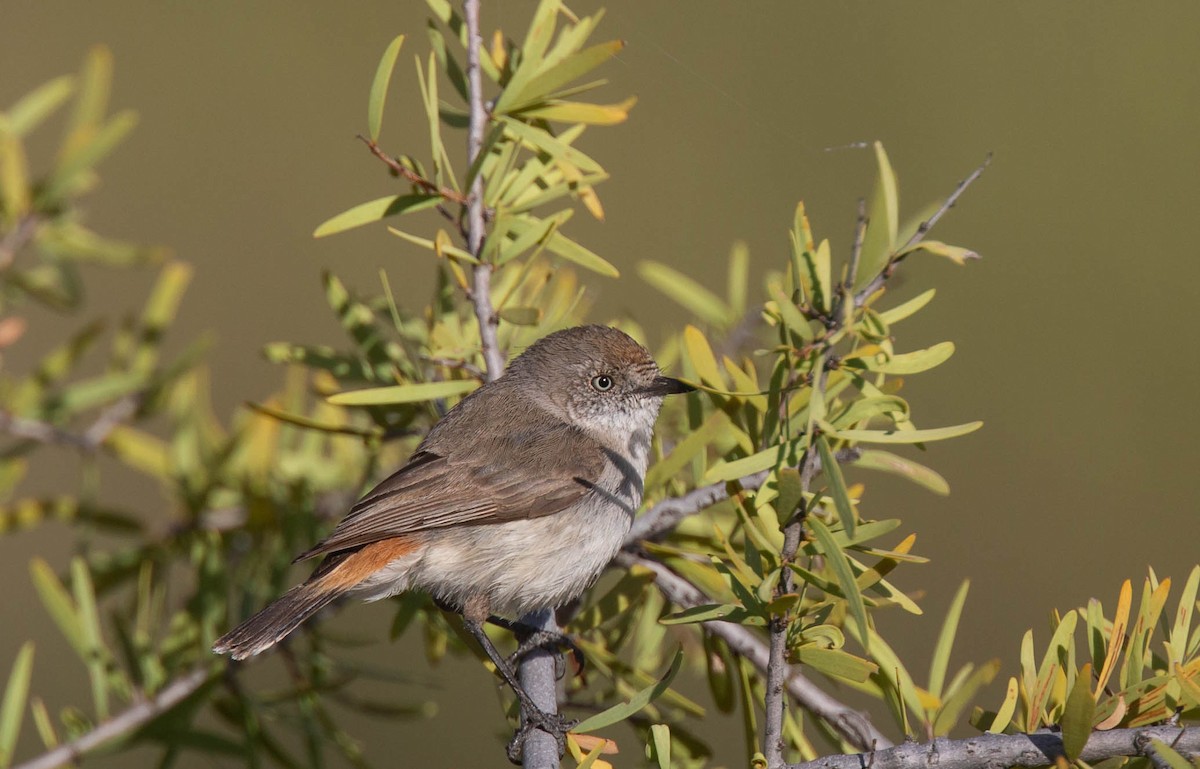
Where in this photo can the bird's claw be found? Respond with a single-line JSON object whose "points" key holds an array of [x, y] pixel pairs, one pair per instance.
{"points": [[551, 723]]}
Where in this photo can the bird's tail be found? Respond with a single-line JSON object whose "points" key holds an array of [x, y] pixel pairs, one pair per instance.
{"points": [[271, 625]]}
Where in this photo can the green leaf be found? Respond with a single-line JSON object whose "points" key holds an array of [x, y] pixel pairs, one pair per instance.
{"points": [[844, 575], [836, 663], [740, 468], [541, 141], [660, 745], [945, 641], [12, 707], [707, 612], [35, 106], [1076, 719], [885, 461], [441, 246], [869, 407], [884, 221], [547, 84], [905, 363], [406, 393], [686, 292], [581, 112], [1172, 757], [837, 486], [956, 254], [87, 155], [573, 252], [790, 314], [379, 87], [907, 309], [961, 694], [640, 700], [58, 603], [375, 210], [521, 316], [907, 436], [89, 622], [1007, 708]]}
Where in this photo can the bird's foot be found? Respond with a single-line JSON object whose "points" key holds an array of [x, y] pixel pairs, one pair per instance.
{"points": [[553, 724], [550, 641]]}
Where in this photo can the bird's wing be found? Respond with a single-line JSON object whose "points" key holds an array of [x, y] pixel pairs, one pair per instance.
{"points": [[520, 474]]}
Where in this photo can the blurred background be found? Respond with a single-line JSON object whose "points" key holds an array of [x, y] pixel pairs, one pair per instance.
{"points": [[1073, 332]]}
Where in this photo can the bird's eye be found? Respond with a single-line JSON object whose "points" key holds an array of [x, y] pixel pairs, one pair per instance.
{"points": [[602, 383]]}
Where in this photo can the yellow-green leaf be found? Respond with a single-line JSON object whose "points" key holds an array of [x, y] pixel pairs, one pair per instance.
{"points": [[582, 112], [884, 221], [1077, 716], [956, 254], [637, 702], [905, 363], [844, 574], [35, 106], [836, 663], [406, 393], [837, 486], [573, 252], [373, 211], [685, 291], [379, 87], [908, 436], [12, 707], [876, 459], [945, 642]]}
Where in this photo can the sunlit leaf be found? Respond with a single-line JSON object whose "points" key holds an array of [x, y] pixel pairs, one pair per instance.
{"points": [[905, 363], [844, 574], [35, 106], [685, 291], [89, 154], [956, 254], [1007, 708], [373, 211], [573, 252], [884, 221], [582, 112], [640, 700], [835, 663], [909, 436], [907, 309], [1076, 721], [406, 393], [837, 486], [12, 707], [876, 459], [945, 642], [547, 84], [379, 87]]}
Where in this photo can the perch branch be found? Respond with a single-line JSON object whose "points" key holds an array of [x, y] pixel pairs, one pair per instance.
{"points": [[1014, 750], [852, 725], [121, 724]]}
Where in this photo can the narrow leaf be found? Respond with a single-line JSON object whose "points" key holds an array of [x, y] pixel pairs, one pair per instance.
{"points": [[379, 87], [406, 393], [373, 211], [1076, 719], [837, 486], [637, 702], [908, 436], [876, 459], [844, 574], [12, 707], [945, 641]]}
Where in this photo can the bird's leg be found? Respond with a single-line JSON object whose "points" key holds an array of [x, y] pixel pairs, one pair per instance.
{"points": [[530, 638], [551, 723]]}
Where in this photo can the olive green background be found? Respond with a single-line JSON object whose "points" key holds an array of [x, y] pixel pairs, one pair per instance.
{"points": [[1075, 334]]}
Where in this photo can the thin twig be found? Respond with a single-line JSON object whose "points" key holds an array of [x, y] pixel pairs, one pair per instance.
{"points": [[90, 440], [850, 724], [860, 233], [923, 230], [663, 517], [17, 238], [121, 724], [481, 288], [412, 176], [1013, 750]]}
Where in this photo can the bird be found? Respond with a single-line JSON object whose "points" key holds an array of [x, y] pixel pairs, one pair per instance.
{"points": [[515, 501]]}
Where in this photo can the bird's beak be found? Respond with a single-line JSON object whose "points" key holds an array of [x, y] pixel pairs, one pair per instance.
{"points": [[665, 385]]}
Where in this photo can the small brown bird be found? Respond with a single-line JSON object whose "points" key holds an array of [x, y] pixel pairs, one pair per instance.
{"points": [[515, 502]]}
